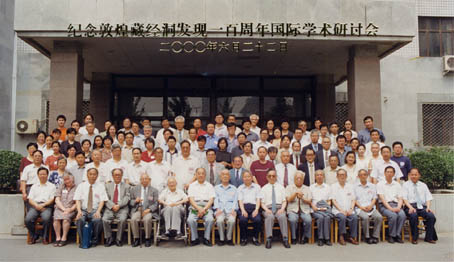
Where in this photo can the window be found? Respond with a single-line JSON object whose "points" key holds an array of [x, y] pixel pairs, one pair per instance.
{"points": [[436, 36], [438, 122]]}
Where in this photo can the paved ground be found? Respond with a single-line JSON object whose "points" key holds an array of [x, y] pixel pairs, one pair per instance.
{"points": [[15, 249]]}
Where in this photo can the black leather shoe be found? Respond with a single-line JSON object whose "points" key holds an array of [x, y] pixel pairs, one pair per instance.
{"points": [[369, 241], [320, 243], [221, 243], [230, 243], [293, 241], [399, 240], [207, 242], [255, 241], [304, 240], [94, 243], [136, 242], [268, 243], [391, 240], [375, 240], [108, 242], [285, 242], [195, 242], [148, 242], [243, 242], [328, 242], [118, 243]]}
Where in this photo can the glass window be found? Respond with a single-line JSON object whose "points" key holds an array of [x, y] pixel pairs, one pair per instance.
{"points": [[240, 106], [189, 106], [279, 107], [287, 83], [135, 106], [229, 84], [436, 36]]}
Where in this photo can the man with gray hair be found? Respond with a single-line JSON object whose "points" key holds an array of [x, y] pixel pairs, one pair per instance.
{"points": [[254, 118], [180, 133], [172, 199]]}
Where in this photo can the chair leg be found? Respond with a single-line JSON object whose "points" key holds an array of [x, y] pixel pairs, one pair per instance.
{"points": [[129, 233], [237, 232], [359, 230], [289, 234], [312, 232], [213, 228], [336, 230], [383, 228]]}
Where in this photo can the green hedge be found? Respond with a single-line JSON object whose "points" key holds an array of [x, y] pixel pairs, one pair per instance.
{"points": [[9, 169], [436, 166]]}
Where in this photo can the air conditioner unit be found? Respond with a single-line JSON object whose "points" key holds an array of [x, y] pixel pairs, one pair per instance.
{"points": [[448, 64], [27, 126]]}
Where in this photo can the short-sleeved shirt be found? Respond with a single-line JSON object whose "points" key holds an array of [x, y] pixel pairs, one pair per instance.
{"points": [[66, 196], [103, 173], [320, 192], [330, 175], [184, 169], [99, 194], [260, 170], [249, 194], [111, 164], [172, 197], [41, 193], [422, 190], [159, 172], [365, 194], [405, 165], [226, 198], [30, 174], [78, 172], [267, 192], [212, 141], [23, 163], [379, 170], [293, 206], [134, 171], [201, 192], [390, 191], [343, 196]]}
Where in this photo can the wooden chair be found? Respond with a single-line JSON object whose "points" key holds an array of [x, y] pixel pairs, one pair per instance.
{"points": [[385, 226], [421, 226], [154, 231], [215, 227], [39, 226], [314, 226], [249, 227], [336, 231], [200, 227]]}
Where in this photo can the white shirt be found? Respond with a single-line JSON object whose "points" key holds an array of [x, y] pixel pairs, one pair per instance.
{"points": [[201, 192], [365, 194], [362, 163], [47, 152], [423, 192], [159, 173], [343, 196], [260, 143], [352, 173], [391, 192], [201, 155], [379, 170], [83, 131], [126, 153], [170, 158], [111, 164], [330, 175], [99, 194], [172, 197], [368, 148], [249, 194], [320, 192], [333, 142], [103, 173], [221, 131], [184, 169], [280, 172], [256, 130], [41, 193], [160, 135], [134, 171], [30, 174], [267, 193]]}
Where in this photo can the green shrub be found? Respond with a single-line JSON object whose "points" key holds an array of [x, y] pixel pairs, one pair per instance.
{"points": [[9, 169], [436, 166]]}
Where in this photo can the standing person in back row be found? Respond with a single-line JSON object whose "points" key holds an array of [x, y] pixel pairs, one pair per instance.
{"points": [[364, 134]]}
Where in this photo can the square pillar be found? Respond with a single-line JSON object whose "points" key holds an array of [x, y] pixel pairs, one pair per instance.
{"points": [[66, 82], [364, 91], [325, 98], [100, 98]]}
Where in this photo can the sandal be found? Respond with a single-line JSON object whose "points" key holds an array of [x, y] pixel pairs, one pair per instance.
{"points": [[57, 243], [62, 243]]}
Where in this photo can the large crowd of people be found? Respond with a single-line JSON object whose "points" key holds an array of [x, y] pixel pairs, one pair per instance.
{"points": [[220, 176]]}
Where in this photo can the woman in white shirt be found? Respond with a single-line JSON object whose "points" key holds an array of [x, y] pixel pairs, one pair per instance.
{"points": [[362, 161], [351, 168], [248, 157]]}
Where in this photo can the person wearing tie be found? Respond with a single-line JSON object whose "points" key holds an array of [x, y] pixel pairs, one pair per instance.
{"points": [[249, 197], [314, 145], [273, 205], [90, 198], [180, 133], [299, 199], [236, 173], [144, 207], [309, 167], [418, 200], [285, 171], [212, 168], [296, 156], [116, 208], [322, 156]]}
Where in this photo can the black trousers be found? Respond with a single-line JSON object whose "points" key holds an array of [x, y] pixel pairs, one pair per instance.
{"points": [[256, 221], [429, 221]]}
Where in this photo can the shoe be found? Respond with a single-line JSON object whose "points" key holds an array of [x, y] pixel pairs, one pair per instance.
{"points": [[221, 243], [148, 242], [430, 241], [255, 241], [285, 242], [243, 242], [293, 241], [391, 240], [369, 241], [109, 242], [230, 243], [399, 240], [179, 236], [57, 243], [352, 240], [207, 242], [80, 245], [62, 243], [94, 243], [375, 240], [414, 242], [172, 233], [136, 242], [341, 240], [320, 243], [32, 241], [268, 243], [118, 243], [328, 242], [195, 242], [304, 240], [166, 236], [45, 241]]}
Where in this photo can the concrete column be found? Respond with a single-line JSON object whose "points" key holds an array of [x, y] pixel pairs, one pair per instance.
{"points": [[364, 91], [325, 98], [66, 82], [100, 97]]}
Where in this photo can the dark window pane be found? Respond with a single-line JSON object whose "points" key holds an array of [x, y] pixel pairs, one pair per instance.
{"points": [[423, 22], [434, 44], [189, 83], [279, 107], [448, 43], [447, 24], [189, 106], [154, 83], [287, 83], [228, 84], [423, 44], [136, 106], [240, 106], [434, 23]]}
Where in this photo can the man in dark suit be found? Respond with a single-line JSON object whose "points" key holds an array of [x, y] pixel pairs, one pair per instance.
{"points": [[144, 206], [212, 168], [314, 145], [236, 173], [296, 158], [309, 167], [322, 156], [116, 207]]}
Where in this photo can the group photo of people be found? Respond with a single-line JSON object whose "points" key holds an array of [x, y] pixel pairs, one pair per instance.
{"points": [[224, 182]]}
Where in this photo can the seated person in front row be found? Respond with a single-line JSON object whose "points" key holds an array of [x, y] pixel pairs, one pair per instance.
{"points": [[172, 199], [418, 199], [90, 198], [40, 199], [321, 204], [344, 201], [299, 199], [201, 197], [366, 197], [116, 207], [225, 206], [273, 205], [144, 207], [249, 197], [390, 195], [65, 208]]}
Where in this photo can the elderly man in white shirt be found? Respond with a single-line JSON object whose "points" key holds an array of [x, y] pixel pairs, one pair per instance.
{"points": [[343, 198], [378, 172], [273, 205], [116, 161], [418, 200], [103, 174], [184, 166], [263, 141], [29, 175], [299, 199], [321, 202], [136, 168], [159, 170], [41, 200], [390, 196], [254, 118], [366, 197], [201, 197], [172, 199], [331, 170], [285, 170], [90, 198]]}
